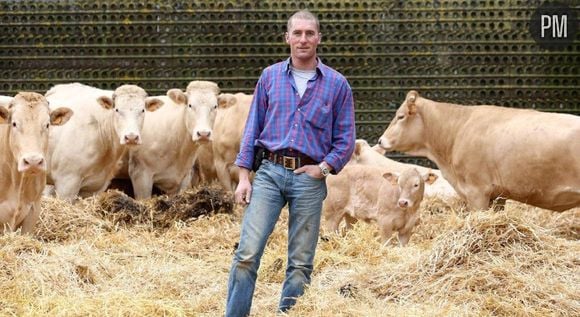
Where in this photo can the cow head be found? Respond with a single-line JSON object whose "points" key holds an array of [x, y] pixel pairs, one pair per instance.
{"points": [[129, 102], [201, 101], [30, 118], [405, 133], [411, 186]]}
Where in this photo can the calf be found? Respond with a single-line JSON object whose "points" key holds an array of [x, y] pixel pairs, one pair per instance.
{"points": [[371, 193]]}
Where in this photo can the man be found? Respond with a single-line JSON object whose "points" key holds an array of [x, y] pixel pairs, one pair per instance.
{"points": [[302, 116]]}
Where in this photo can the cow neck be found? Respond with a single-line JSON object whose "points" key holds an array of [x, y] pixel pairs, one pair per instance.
{"points": [[444, 124], [27, 187], [186, 149], [109, 139], [7, 160]]}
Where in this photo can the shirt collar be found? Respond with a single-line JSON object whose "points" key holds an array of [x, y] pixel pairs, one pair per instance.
{"points": [[320, 67]]}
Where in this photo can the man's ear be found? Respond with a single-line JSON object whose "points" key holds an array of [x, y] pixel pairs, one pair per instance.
{"points": [[287, 37]]}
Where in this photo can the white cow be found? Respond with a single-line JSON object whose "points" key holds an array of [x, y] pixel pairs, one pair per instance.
{"points": [[229, 126], [24, 130], [171, 136], [84, 154]]}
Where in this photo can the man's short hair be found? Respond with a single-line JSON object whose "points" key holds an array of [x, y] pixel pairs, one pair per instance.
{"points": [[303, 15]]}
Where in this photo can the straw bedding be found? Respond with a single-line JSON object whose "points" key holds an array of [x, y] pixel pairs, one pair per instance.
{"points": [[110, 256]]}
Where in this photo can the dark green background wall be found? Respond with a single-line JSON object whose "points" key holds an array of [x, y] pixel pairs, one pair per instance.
{"points": [[468, 52]]}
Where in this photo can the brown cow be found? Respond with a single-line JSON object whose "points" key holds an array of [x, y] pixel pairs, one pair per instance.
{"points": [[370, 193], [24, 129], [487, 152]]}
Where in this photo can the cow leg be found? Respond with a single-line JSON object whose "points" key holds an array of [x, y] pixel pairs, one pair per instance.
{"points": [[477, 198], [386, 228], [333, 219], [142, 185], [349, 220], [67, 187], [223, 175], [404, 237], [29, 222]]}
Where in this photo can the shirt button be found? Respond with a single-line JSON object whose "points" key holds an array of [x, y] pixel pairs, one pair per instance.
{"points": [[295, 124]]}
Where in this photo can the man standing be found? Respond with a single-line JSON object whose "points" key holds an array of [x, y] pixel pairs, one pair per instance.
{"points": [[302, 119]]}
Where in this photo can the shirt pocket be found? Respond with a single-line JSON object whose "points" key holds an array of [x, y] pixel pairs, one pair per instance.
{"points": [[319, 115]]}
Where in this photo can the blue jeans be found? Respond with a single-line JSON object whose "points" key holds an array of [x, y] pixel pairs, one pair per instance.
{"points": [[273, 187]]}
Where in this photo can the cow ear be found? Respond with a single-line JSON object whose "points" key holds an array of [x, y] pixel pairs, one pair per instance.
{"points": [[4, 115], [60, 116], [152, 103], [391, 177], [357, 148], [411, 98], [106, 102], [177, 96], [226, 101], [430, 177]]}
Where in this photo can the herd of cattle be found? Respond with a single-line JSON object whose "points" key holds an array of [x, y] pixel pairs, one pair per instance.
{"points": [[79, 138]]}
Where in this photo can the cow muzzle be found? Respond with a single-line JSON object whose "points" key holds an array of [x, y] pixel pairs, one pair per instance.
{"points": [[131, 139], [203, 136], [385, 144], [32, 163], [404, 203]]}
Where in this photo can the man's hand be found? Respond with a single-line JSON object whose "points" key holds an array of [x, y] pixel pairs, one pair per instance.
{"points": [[244, 190], [311, 170]]}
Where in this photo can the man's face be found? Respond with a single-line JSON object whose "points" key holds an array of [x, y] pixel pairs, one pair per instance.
{"points": [[303, 38]]}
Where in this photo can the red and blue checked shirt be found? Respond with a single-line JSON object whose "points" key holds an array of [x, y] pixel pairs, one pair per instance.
{"points": [[319, 125]]}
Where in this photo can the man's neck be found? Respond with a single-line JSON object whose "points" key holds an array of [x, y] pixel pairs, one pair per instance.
{"points": [[304, 65]]}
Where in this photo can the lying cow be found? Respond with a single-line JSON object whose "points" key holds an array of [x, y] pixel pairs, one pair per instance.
{"points": [[84, 154], [370, 193], [171, 137], [365, 155], [486, 152], [24, 130]]}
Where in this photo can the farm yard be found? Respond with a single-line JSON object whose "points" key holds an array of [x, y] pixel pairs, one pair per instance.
{"points": [[111, 256]]}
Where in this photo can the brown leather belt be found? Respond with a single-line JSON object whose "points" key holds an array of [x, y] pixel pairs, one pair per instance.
{"points": [[290, 162]]}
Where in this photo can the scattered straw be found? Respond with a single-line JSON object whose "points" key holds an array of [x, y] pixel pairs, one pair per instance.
{"points": [[170, 256]]}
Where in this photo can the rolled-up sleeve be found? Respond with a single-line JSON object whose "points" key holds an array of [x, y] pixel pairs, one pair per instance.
{"points": [[343, 130], [254, 125]]}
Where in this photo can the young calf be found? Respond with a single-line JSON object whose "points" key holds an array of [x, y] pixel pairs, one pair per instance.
{"points": [[371, 193]]}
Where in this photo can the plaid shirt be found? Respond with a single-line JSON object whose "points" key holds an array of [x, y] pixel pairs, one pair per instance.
{"points": [[319, 125]]}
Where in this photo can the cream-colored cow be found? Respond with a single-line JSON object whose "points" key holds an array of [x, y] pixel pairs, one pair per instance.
{"points": [[84, 154], [171, 136], [24, 130], [486, 152], [370, 193], [229, 127], [365, 155]]}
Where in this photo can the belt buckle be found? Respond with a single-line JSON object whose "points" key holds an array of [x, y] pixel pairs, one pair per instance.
{"points": [[289, 162]]}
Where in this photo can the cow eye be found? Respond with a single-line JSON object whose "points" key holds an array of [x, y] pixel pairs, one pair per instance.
{"points": [[416, 185], [189, 105], [14, 124], [47, 125], [117, 110], [401, 117], [143, 111]]}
